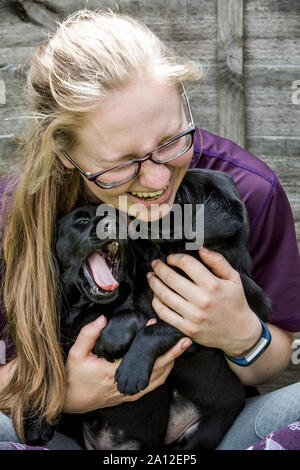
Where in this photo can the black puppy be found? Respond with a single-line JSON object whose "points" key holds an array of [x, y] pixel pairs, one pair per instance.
{"points": [[97, 277], [89, 267], [201, 377]]}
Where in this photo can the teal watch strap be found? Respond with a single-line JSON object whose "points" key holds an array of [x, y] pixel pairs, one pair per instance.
{"points": [[257, 351]]}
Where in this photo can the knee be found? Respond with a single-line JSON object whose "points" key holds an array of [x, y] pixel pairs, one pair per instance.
{"points": [[280, 408]]}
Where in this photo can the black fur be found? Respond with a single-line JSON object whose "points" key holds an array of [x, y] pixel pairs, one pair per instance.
{"points": [[201, 375]]}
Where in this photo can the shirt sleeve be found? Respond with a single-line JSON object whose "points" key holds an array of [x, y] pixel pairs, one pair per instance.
{"points": [[276, 260]]}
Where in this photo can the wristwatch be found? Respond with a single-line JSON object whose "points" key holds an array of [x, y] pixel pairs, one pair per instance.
{"points": [[255, 352]]}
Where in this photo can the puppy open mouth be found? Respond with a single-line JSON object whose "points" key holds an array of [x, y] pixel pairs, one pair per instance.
{"points": [[101, 269]]}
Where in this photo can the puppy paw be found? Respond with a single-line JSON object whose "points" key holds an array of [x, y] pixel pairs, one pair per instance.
{"points": [[132, 377], [112, 344]]}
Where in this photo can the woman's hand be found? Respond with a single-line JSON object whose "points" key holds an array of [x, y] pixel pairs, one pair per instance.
{"points": [[91, 379], [210, 307]]}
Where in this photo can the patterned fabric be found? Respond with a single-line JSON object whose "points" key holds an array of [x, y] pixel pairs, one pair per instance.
{"points": [[18, 446], [287, 438]]}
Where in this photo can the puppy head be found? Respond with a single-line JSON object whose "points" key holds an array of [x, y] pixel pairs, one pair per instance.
{"points": [[92, 265]]}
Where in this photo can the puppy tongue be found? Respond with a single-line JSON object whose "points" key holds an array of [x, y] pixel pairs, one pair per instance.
{"points": [[101, 272]]}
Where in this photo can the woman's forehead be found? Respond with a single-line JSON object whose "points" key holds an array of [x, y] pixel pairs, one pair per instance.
{"points": [[130, 118]]}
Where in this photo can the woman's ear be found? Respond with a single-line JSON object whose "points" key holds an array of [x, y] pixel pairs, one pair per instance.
{"points": [[64, 160]]}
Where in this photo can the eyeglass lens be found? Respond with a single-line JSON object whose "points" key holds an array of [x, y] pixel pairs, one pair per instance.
{"points": [[169, 152]]}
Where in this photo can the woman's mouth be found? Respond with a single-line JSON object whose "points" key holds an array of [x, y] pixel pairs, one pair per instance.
{"points": [[157, 197]]}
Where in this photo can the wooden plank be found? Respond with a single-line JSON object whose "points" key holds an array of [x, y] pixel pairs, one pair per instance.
{"points": [[230, 70], [269, 19], [284, 7], [279, 26], [278, 51], [268, 145], [272, 95], [143, 8], [274, 75], [273, 120]]}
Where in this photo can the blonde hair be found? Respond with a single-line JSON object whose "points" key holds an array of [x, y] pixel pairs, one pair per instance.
{"points": [[90, 54]]}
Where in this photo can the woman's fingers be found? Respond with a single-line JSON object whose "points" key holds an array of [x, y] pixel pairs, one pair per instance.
{"points": [[218, 264], [170, 316], [198, 272], [181, 305], [199, 275], [184, 287]]}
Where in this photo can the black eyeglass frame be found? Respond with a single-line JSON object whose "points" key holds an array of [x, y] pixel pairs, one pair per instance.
{"points": [[148, 156]]}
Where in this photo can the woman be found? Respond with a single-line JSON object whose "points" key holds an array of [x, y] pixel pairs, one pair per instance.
{"points": [[104, 90]]}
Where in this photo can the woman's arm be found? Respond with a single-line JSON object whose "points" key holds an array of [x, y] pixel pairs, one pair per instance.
{"points": [[211, 308], [271, 363]]}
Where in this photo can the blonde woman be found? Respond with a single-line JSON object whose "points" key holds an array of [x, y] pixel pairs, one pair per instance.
{"points": [[104, 90]]}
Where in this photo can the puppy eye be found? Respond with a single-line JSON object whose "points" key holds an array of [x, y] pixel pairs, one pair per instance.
{"points": [[82, 222]]}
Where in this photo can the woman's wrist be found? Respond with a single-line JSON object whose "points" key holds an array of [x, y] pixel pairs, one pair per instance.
{"points": [[247, 339]]}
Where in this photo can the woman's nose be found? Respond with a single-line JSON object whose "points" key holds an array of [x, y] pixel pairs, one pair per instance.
{"points": [[153, 175]]}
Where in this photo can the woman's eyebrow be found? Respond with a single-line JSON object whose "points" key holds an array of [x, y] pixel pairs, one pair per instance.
{"points": [[162, 140]]}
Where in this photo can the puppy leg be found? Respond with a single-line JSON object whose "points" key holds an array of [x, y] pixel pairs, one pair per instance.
{"points": [[116, 337], [133, 374]]}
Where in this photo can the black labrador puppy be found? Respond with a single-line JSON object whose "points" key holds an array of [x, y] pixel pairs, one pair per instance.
{"points": [[109, 277], [97, 277]]}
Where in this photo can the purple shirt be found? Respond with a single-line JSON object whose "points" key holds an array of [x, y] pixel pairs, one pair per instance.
{"points": [[273, 245]]}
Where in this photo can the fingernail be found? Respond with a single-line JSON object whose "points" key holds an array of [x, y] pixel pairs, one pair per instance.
{"points": [[204, 250], [100, 321], [154, 263], [186, 343], [151, 322], [149, 275]]}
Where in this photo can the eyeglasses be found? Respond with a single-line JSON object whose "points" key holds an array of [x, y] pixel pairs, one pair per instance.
{"points": [[124, 172]]}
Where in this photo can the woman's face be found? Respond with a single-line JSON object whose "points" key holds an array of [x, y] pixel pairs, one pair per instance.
{"points": [[128, 123]]}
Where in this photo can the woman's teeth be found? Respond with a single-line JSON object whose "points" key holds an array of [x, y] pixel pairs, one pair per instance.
{"points": [[147, 195]]}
